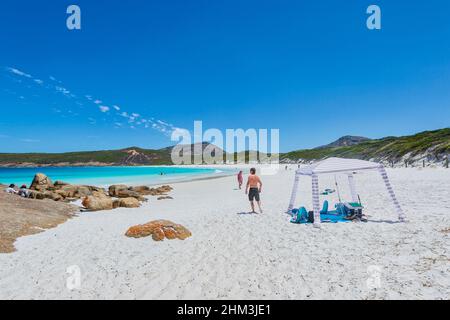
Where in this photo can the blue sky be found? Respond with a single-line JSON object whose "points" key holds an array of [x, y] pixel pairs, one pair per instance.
{"points": [[310, 68]]}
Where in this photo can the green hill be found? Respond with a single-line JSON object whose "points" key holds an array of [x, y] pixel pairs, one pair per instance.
{"points": [[432, 146], [129, 156]]}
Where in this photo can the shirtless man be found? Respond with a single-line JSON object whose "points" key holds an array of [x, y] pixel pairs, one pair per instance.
{"points": [[253, 189]]}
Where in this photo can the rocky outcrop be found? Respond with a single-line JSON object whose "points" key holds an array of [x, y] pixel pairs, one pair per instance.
{"points": [[98, 201], [42, 188], [20, 216], [41, 182], [147, 191], [93, 198], [127, 203], [122, 191], [159, 230]]}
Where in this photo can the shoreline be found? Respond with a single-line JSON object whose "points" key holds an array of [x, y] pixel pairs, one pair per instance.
{"points": [[130, 178]]}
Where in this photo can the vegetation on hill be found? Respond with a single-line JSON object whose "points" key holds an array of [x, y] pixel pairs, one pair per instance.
{"points": [[429, 145], [432, 146]]}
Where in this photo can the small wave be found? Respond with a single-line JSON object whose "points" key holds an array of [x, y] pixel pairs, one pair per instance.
{"points": [[218, 171]]}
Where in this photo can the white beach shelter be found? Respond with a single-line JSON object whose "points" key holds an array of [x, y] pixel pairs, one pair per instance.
{"points": [[339, 165]]}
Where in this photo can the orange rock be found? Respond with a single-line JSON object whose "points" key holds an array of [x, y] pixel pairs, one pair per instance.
{"points": [[94, 203], [158, 234], [170, 233], [159, 229], [129, 203]]}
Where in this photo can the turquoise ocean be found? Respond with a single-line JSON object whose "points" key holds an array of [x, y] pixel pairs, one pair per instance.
{"points": [[103, 176]]}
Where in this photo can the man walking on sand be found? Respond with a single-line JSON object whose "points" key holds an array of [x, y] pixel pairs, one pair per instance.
{"points": [[253, 189]]}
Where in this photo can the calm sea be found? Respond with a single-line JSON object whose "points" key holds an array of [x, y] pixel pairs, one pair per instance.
{"points": [[102, 176]]}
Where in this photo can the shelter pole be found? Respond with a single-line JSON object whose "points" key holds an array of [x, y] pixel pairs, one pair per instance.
{"points": [[294, 193], [351, 183], [401, 214], [315, 200]]}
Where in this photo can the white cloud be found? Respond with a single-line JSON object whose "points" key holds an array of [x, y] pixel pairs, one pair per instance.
{"points": [[104, 108], [134, 119], [62, 90], [163, 123], [19, 73]]}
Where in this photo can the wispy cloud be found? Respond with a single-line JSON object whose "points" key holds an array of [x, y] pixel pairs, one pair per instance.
{"points": [[134, 119], [18, 72], [104, 108]]}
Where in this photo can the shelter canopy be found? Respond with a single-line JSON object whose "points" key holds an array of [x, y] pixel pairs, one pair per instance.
{"points": [[334, 165]]}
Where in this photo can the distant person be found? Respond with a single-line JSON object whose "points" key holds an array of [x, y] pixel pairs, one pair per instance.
{"points": [[11, 189], [24, 192], [240, 179], [253, 189]]}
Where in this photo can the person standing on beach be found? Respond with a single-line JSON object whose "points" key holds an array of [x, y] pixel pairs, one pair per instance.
{"points": [[240, 179], [253, 189]]}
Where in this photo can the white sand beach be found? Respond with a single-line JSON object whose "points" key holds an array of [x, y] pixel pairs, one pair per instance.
{"points": [[234, 255]]}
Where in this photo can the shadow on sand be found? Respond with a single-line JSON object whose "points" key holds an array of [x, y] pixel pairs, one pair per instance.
{"points": [[384, 221]]}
